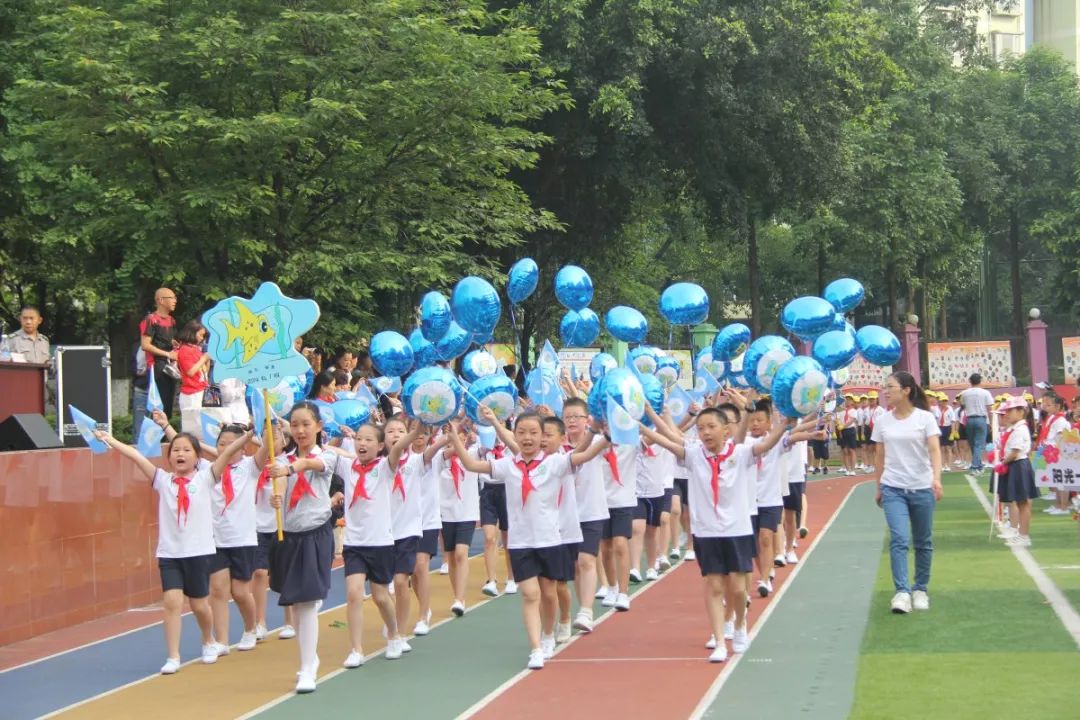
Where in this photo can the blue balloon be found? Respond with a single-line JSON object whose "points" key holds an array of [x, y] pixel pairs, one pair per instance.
{"points": [[667, 372], [705, 362], [654, 395], [799, 387], [645, 358], [435, 316], [329, 418], [306, 382], [579, 328], [878, 345], [684, 304], [351, 413], [730, 342], [763, 358], [839, 378], [844, 294], [424, 353], [808, 316], [431, 395], [626, 324], [596, 400], [600, 364], [498, 392], [839, 322], [454, 343], [391, 353], [521, 280], [282, 396], [477, 364], [624, 387], [573, 287], [475, 305], [835, 349]]}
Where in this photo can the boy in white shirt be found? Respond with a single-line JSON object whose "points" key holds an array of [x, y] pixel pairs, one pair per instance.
{"points": [[620, 468]]}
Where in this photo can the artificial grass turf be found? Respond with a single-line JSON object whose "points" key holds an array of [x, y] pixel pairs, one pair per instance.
{"points": [[988, 644], [1055, 544]]}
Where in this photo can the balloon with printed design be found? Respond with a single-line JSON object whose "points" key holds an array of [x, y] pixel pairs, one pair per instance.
{"points": [[684, 304], [432, 395], [477, 364], [391, 353], [667, 371], [521, 280], [808, 316], [799, 387], [579, 328], [424, 353], [840, 377], [454, 343], [705, 362], [844, 294], [735, 375], [878, 345], [730, 342], [476, 306], [626, 324], [600, 364], [645, 358], [435, 316], [623, 386], [835, 349], [497, 392], [573, 287], [763, 358]]}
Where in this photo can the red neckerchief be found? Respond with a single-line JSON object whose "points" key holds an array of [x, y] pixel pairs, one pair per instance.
{"points": [[302, 486], [613, 463], [847, 417], [361, 470], [1044, 431], [649, 452], [183, 500], [227, 487], [526, 482], [264, 480], [714, 464], [456, 473], [399, 480], [1004, 441]]}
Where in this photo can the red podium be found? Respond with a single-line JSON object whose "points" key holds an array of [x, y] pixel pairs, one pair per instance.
{"points": [[22, 388]]}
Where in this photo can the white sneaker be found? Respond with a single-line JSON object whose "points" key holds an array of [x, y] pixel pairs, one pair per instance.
{"points": [[171, 665], [622, 602], [444, 569], [536, 659], [355, 660], [779, 560], [901, 603], [740, 641], [247, 641], [305, 682], [562, 632], [635, 575], [405, 646], [719, 655], [209, 654], [1019, 541], [651, 574], [609, 597], [710, 644], [690, 555], [764, 587], [674, 554], [422, 628], [729, 630], [920, 600], [490, 589], [663, 564], [601, 592], [547, 646], [583, 622], [458, 608], [1057, 511], [1007, 531], [260, 632], [221, 649], [510, 588], [791, 558], [288, 632], [393, 649]]}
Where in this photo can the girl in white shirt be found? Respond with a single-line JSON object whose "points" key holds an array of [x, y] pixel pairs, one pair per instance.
{"points": [[460, 509], [185, 535], [1016, 478], [1055, 421], [406, 509]]}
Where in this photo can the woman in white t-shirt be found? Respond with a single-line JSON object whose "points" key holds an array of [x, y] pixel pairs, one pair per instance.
{"points": [[907, 468]]}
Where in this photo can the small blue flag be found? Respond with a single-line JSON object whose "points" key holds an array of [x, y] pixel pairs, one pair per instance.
{"points": [[211, 428], [548, 357], [622, 427], [149, 441], [704, 384], [573, 374], [363, 394], [86, 426], [543, 390], [678, 404], [385, 385], [487, 436], [153, 396]]}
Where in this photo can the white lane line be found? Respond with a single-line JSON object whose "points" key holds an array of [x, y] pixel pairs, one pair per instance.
{"points": [[1060, 604]]}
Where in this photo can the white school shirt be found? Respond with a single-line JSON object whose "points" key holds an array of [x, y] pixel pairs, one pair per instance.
{"points": [[1058, 425], [192, 534], [566, 502], [234, 524], [481, 453], [797, 464], [769, 490], [406, 499], [650, 472], [312, 510], [680, 472], [622, 492], [728, 518], [367, 519], [907, 459], [431, 518], [460, 503], [265, 515], [534, 520], [1019, 439], [935, 410], [590, 490]]}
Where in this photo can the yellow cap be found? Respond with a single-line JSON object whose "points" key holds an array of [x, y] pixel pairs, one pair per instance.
{"points": [[872, 395], [1029, 397]]}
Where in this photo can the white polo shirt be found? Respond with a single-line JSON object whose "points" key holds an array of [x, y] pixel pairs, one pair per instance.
{"points": [[620, 482], [769, 487], [367, 507], [234, 524], [797, 463], [1019, 439], [458, 501], [406, 497], [728, 517], [312, 509], [566, 502], [431, 519], [590, 489], [192, 533], [534, 520], [651, 471]]}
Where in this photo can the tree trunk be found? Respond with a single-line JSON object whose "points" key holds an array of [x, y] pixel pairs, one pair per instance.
{"points": [[754, 270], [1014, 274], [943, 322]]}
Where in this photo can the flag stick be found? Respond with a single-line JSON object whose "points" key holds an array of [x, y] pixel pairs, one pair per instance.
{"points": [[268, 433]]}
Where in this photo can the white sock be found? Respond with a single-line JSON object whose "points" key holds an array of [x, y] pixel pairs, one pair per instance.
{"points": [[307, 634]]}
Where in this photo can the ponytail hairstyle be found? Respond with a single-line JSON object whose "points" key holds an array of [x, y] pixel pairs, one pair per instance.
{"points": [[314, 410], [322, 379], [915, 392]]}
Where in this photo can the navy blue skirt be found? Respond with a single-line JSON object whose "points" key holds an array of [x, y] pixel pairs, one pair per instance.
{"points": [[1018, 484], [300, 565]]}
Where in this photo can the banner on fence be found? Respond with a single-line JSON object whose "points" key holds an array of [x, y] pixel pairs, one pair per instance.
{"points": [[1070, 351], [1059, 465], [862, 374], [951, 364]]}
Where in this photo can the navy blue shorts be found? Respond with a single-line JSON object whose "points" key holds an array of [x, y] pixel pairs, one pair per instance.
{"points": [[769, 517], [493, 506], [240, 561], [568, 568], [545, 562], [946, 432], [682, 486], [457, 533], [665, 502], [429, 543], [793, 500], [620, 523], [725, 555], [405, 555], [374, 561], [190, 574], [300, 565], [262, 551], [820, 448], [648, 509], [591, 532], [848, 440]]}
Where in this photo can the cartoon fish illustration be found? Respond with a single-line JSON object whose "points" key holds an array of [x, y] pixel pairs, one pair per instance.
{"points": [[252, 331]]}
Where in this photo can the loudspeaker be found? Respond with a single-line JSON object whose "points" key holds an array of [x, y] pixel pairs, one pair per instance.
{"points": [[27, 431]]}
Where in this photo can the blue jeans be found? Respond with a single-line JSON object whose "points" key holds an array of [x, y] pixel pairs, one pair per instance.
{"points": [[976, 433], [909, 513], [138, 410]]}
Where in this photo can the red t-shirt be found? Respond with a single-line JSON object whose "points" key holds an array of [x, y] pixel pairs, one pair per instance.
{"points": [[161, 334], [186, 357]]}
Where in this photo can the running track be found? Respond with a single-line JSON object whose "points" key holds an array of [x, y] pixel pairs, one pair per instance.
{"points": [[648, 661]]}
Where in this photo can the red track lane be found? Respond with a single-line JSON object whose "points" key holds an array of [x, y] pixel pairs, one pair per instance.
{"points": [[651, 660]]}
